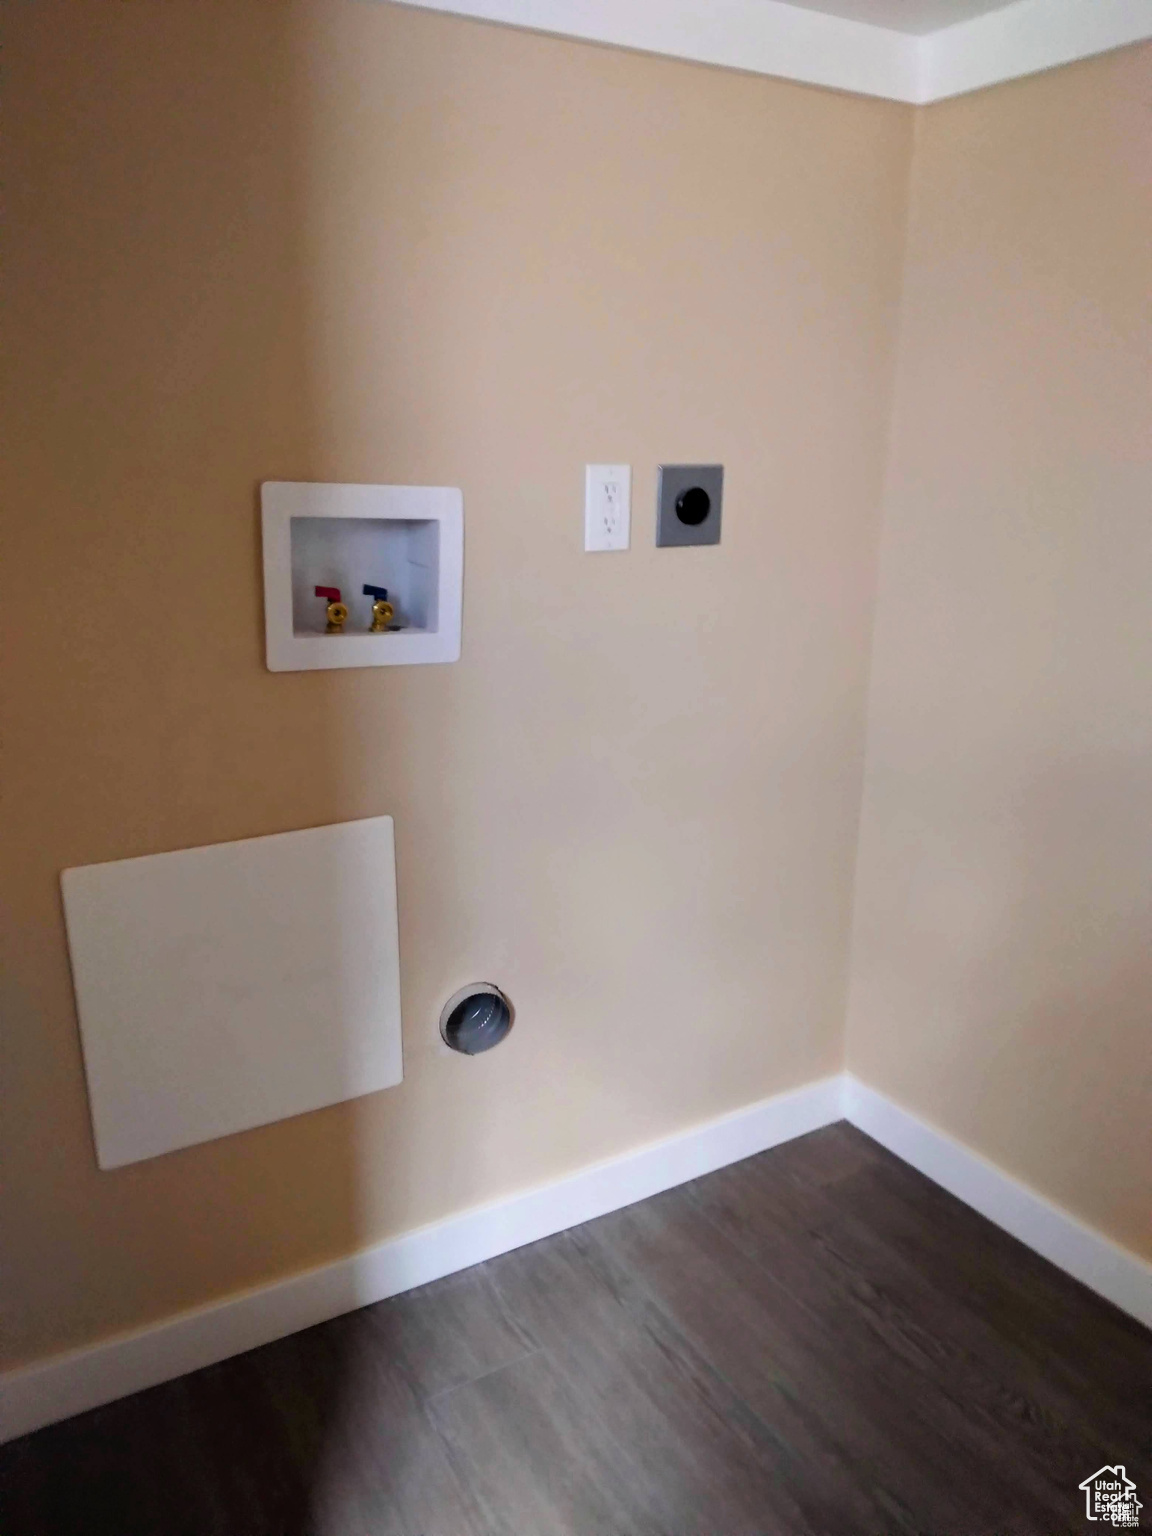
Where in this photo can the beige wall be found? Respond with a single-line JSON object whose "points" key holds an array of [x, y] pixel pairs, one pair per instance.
{"points": [[353, 242], [1002, 969]]}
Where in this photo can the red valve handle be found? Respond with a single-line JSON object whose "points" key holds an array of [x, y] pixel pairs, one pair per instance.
{"points": [[331, 593]]}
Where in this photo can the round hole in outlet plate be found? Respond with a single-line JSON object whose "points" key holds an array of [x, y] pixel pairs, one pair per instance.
{"points": [[693, 505]]}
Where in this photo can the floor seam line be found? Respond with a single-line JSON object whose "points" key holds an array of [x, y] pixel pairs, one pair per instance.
{"points": [[505, 1365]]}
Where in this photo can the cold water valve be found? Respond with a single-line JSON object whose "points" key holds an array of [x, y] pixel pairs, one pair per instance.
{"points": [[337, 612], [382, 610]]}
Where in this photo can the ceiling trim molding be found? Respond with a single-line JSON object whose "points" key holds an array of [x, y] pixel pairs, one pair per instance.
{"points": [[765, 37], [770, 37], [1024, 38]]}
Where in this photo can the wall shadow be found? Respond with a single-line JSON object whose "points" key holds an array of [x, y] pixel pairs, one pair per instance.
{"points": [[163, 325]]}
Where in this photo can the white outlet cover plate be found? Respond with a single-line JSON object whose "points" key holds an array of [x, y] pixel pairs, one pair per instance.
{"points": [[293, 649], [225, 987], [607, 507]]}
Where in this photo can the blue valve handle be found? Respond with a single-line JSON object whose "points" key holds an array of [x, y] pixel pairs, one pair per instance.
{"points": [[380, 593]]}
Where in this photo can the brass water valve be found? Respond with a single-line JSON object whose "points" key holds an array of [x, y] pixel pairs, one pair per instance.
{"points": [[337, 612], [382, 610]]}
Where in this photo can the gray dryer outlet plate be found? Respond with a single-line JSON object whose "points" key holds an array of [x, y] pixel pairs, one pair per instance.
{"points": [[688, 505]]}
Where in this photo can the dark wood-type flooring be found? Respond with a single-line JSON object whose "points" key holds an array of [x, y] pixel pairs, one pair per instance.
{"points": [[815, 1340]]}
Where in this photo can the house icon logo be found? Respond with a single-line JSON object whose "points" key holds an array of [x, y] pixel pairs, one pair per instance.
{"points": [[1110, 1495]]}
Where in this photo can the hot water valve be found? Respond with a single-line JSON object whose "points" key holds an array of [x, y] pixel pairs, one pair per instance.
{"points": [[337, 612]]}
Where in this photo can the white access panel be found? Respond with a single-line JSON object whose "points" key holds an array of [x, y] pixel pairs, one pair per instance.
{"points": [[225, 987]]}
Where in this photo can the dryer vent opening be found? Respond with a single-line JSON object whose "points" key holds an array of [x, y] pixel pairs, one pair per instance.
{"points": [[476, 1018]]}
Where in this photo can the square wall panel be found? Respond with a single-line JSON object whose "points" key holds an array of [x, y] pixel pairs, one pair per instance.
{"points": [[226, 987]]}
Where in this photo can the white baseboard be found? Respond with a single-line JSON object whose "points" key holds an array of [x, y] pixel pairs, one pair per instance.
{"points": [[1079, 1250], [84, 1378]]}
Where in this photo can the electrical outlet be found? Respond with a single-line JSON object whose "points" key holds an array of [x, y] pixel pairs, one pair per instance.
{"points": [[607, 506]]}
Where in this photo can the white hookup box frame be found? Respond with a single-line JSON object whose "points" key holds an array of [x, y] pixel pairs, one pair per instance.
{"points": [[406, 538]]}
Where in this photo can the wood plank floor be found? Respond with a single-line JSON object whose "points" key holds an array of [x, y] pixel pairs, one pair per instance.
{"points": [[817, 1340]]}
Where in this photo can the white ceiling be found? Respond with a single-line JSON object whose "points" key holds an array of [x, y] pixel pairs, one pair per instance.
{"points": [[917, 16]]}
